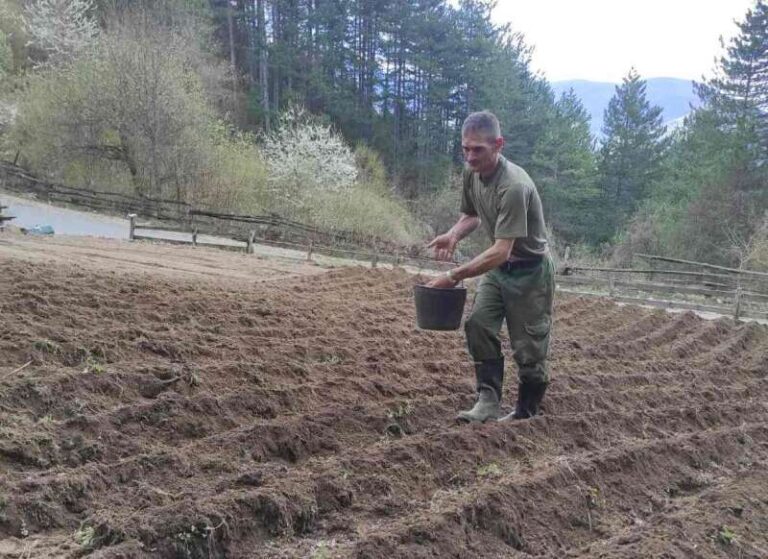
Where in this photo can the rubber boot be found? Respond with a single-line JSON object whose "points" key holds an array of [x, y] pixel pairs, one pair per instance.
{"points": [[529, 396], [490, 378]]}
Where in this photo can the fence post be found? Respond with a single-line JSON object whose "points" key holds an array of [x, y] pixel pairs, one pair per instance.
{"points": [[132, 226], [611, 284], [249, 246], [310, 250], [737, 302], [375, 257], [194, 237]]}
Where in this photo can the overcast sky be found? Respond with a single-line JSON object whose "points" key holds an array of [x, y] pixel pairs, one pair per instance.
{"points": [[601, 39]]}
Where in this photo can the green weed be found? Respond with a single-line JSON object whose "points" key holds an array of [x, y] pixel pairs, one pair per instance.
{"points": [[725, 536], [491, 469], [321, 551], [47, 346], [400, 411], [85, 536], [93, 365]]}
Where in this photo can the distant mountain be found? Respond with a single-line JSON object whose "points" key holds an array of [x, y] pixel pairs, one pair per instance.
{"points": [[673, 95]]}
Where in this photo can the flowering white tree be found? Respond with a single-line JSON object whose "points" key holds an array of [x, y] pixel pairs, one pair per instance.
{"points": [[306, 157], [62, 29]]}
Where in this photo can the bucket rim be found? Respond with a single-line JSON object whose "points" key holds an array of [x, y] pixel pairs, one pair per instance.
{"points": [[427, 288]]}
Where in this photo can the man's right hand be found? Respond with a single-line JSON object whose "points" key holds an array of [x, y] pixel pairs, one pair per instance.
{"points": [[444, 246]]}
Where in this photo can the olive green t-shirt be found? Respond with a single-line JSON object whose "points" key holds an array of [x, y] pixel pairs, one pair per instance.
{"points": [[509, 207]]}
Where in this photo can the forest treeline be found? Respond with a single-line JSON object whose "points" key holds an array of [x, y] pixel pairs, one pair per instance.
{"points": [[347, 114]]}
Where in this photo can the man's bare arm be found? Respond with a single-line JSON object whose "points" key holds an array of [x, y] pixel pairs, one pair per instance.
{"points": [[445, 244], [464, 226], [487, 260]]}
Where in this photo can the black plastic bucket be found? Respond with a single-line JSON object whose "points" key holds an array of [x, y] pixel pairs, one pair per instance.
{"points": [[439, 308]]}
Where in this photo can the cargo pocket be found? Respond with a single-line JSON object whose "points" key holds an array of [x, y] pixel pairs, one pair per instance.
{"points": [[535, 347], [539, 329]]}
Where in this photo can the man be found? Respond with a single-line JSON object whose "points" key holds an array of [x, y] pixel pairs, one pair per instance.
{"points": [[519, 275]]}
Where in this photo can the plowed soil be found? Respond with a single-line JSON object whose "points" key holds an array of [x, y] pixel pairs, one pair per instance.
{"points": [[187, 416]]}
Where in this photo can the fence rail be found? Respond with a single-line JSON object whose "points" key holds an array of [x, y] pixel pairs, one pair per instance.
{"points": [[703, 265], [17, 179], [309, 248], [178, 216], [729, 291], [721, 289]]}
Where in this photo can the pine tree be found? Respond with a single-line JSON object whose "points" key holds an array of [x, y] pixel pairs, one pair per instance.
{"points": [[397, 75], [565, 168], [738, 95], [729, 136], [631, 157]]}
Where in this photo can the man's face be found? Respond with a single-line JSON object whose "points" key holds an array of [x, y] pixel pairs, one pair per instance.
{"points": [[481, 152]]}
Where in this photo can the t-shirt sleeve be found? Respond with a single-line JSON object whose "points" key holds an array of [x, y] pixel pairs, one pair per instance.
{"points": [[512, 222], [467, 205]]}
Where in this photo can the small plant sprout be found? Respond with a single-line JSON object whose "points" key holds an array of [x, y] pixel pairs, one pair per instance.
{"points": [[400, 411], [46, 346], [491, 469], [85, 535], [725, 536], [93, 365]]}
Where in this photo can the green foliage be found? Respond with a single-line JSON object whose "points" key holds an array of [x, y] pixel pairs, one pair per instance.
{"points": [[491, 469], [401, 410], [739, 91], [396, 75], [236, 178], [85, 536], [757, 248], [46, 346], [564, 164], [13, 37], [363, 210], [134, 116], [93, 364], [96, 114], [321, 551], [153, 111], [712, 202], [725, 536], [371, 170], [6, 55], [138, 115], [632, 154]]}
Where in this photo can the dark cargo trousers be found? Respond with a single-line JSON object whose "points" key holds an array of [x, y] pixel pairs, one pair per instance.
{"points": [[523, 296]]}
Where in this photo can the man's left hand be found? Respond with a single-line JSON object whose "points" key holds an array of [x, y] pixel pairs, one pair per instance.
{"points": [[442, 282]]}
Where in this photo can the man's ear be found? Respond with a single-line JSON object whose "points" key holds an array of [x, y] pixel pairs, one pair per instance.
{"points": [[499, 143]]}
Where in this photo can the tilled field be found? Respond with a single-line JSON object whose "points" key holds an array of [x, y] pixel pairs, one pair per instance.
{"points": [[308, 417]]}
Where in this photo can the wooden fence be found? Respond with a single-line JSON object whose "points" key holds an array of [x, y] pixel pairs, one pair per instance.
{"points": [[308, 248], [244, 230], [17, 179], [673, 282], [4, 218], [684, 283]]}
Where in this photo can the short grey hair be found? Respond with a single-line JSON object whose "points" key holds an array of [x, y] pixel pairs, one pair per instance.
{"points": [[482, 122]]}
